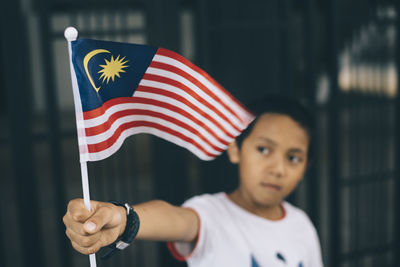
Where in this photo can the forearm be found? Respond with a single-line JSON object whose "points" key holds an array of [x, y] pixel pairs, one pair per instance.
{"points": [[162, 221]]}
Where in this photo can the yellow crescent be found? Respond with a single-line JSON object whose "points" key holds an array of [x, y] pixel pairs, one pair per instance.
{"points": [[86, 61]]}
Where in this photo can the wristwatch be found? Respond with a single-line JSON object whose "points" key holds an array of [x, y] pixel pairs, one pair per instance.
{"points": [[131, 229]]}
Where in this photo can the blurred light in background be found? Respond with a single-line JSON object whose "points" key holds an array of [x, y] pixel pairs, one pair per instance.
{"points": [[367, 63]]}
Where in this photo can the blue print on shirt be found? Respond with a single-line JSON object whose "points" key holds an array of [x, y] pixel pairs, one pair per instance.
{"points": [[280, 257], [254, 263]]}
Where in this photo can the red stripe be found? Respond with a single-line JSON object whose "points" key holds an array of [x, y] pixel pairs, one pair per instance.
{"points": [[177, 110], [141, 100], [179, 98], [91, 114], [185, 89], [105, 126], [171, 54], [196, 82], [94, 148], [181, 86], [87, 115]]}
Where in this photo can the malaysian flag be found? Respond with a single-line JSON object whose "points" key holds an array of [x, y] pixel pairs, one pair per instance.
{"points": [[126, 89]]}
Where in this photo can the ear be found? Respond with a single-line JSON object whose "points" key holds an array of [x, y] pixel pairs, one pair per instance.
{"points": [[233, 152]]}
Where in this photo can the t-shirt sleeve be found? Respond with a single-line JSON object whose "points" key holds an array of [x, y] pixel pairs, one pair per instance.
{"points": [[308, 236], [184, 250], [314, 247], [315, 257]]}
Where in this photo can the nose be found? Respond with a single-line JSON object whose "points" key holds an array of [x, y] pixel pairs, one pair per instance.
{"points": [[277, 166]]}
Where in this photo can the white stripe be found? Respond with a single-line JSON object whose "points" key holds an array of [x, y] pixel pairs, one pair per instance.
{"points": [[182, 105], [216, 90], [113, 109], [174, 115], [106, 115], [189, 98], [171, 138], [125, 106], [198, 91], [107, 134]]}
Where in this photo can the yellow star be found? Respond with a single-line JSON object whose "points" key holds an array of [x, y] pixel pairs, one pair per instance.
{"points": [[112, 68]]}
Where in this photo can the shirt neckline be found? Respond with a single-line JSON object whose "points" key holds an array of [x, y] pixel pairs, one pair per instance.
{"points": [[237, 207]]}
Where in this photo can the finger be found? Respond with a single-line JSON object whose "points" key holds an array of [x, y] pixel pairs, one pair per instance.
{"points": [[75, 226], [83, 241], [78, 211], [86, 250], [106, 216], [108, 236]]}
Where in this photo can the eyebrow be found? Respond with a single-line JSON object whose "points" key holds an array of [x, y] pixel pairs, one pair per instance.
{"points": [[297, 150], [266, 139]]}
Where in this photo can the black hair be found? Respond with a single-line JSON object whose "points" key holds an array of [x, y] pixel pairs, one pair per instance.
{"points": [[285, 106]]}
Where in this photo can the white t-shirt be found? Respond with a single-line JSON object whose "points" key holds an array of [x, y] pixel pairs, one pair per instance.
{"points": [[231, 236]]}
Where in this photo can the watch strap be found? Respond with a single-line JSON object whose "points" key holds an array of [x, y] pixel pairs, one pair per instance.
{"points": [[129, 234]]}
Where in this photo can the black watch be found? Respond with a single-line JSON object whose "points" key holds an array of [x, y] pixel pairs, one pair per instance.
{"points": [[131, 229]]}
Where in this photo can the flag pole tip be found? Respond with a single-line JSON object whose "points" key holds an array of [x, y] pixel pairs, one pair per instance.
{"points": [[71, 34]]}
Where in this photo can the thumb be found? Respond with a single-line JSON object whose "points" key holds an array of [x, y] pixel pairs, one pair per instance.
{"points": [[104, 217], [90, 227], [78, 212]]}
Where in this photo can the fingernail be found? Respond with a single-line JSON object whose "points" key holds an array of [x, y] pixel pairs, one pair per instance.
{"points": [[90, 226]]}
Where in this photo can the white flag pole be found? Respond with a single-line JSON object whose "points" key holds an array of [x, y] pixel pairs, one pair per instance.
{"points": [[71, 34]]}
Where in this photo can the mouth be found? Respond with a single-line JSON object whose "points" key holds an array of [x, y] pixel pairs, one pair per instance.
{"points": [[270, 186]]}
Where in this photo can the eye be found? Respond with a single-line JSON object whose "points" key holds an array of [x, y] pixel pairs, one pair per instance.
{"points": [[295, 159], [263, 150]]}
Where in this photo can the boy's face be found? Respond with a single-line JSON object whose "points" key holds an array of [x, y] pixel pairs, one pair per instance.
{"points": [[272, 159]]}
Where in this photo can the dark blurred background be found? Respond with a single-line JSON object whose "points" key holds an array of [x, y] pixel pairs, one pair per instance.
{"points": [[340, 57]]}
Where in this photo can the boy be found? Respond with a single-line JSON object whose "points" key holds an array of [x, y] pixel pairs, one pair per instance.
{"points": [[252, 226]]}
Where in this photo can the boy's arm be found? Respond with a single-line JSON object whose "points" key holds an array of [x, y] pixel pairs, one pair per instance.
{"points": [[105, 222], [162, 221]]}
